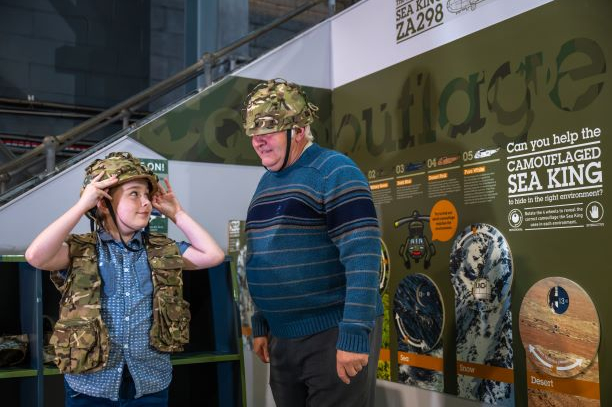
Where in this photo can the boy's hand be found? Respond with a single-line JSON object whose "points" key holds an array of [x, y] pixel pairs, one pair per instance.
{"points": [[96, 190], [166, 202]]}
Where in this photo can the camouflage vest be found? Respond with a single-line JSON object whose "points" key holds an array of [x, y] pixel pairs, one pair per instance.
{"points": [[80, 337]]}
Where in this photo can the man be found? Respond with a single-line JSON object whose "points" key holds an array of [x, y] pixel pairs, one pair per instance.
{"points": [[313, 255]]}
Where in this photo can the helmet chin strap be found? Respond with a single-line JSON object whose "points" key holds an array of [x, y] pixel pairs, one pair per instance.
{"points": [[114, 218], [287, 150]]}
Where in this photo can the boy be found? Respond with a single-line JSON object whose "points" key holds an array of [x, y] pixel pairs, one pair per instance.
{"points": [[122, 309]]}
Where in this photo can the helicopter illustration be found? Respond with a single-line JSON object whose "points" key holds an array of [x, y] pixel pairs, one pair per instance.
{"points": [[448, 159], [485, 152], [416, 246], [457, 6]]}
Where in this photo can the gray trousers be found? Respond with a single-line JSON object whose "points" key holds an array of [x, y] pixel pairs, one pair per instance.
{"points": [[303, 372]]}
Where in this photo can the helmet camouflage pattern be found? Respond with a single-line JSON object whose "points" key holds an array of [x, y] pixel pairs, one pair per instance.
{"points": [[122, 165], [277, 105]]}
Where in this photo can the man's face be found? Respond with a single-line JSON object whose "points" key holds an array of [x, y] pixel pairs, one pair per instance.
{"points": [[271, 148]]}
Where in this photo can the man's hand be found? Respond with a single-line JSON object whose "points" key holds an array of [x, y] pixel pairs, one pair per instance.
{"points": [[348, 364], [260, 346]]}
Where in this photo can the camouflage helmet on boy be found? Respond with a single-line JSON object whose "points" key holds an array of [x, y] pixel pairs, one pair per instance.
{"points": [[122, 165], [277, 105], [125, 167]]}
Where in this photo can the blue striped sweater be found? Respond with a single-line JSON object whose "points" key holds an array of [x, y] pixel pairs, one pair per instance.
{"points": [[314, 251]]}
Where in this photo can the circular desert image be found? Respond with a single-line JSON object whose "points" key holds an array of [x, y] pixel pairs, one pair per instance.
{"points": [[559, 327]]}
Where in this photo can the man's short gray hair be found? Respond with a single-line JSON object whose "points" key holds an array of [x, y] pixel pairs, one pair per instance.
{"points": [[308, 134]]}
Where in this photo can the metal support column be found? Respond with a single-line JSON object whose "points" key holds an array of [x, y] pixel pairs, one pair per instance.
{"points": [[331, 7], [50, 143], [125, 120], [209, 26]]}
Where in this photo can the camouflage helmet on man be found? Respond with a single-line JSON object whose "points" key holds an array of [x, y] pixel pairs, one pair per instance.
{"points": [[276, 105]]}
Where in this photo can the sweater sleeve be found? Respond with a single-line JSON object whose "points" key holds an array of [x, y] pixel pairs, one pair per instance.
{"points": [[259, 324], [353, 227]]}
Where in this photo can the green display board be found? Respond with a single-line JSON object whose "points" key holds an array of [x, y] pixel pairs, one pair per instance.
{"points": [[158, 222], [506, 128]]}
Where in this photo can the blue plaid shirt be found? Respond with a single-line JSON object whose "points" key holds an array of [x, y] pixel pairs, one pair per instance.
{"points": [[127, 311]]}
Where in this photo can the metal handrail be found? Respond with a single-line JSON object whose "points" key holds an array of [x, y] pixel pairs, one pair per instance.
{"points": [[123, 109]]}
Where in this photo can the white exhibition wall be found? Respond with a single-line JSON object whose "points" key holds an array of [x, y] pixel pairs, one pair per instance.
{"points": [[364, 37], [305, 59], [361, 40]]}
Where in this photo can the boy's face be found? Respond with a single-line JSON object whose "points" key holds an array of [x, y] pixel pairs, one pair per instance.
{"points": [[132, 205]]}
